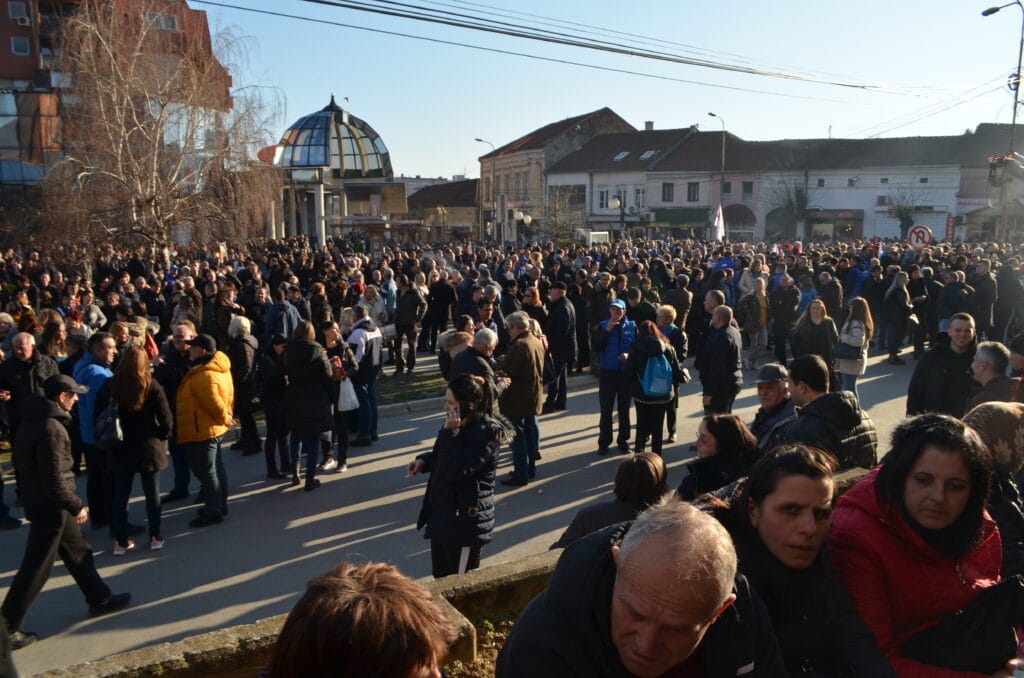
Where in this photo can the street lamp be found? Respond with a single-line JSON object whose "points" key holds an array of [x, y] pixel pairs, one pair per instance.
{"points": [[519, 215], [1015, 86], [617, 203], [494, 184]]}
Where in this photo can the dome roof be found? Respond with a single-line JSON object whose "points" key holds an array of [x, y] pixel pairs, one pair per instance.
{"points": [[334, 138]]}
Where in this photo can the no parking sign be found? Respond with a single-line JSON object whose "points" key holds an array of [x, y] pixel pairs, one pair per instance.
{"points": [[919, 237]]}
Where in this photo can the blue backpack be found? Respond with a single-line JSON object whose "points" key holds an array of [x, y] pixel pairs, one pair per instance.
{"points": [[657, 378]]}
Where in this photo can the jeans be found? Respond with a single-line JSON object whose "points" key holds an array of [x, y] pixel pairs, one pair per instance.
{"points": [[613, 389], [309, 444], [650, 422], [367, 395], [849, 383], [52, 532], [179, 462], [758, 344], [207, 464], [99, 486], [525, 447], [123, 492]]}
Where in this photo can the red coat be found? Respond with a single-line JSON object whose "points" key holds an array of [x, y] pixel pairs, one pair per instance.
{"points": [[899, 584]]}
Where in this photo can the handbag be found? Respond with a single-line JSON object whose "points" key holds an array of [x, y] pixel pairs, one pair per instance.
{"points": [[845, 351], [978, 638], [108, 432], [347, 400]]}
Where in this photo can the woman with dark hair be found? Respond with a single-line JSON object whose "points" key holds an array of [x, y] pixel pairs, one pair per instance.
{"points": [[53, 341], [534, 305], [272, 398], [857, 332], [319, 306], [639, 482], [458, 507], [307, 400], [224, 308], [916, 549], [146, 425], [779, 518], [343, 363], [725, 451], [650, 344], [392, 627]]}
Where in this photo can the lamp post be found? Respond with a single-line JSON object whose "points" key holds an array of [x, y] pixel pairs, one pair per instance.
{"points": [[519, 215], [1015, 86], [617, 203], [494, 184]]}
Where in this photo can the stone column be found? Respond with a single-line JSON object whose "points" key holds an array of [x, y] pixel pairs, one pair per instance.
{"points": [[319, 225]]}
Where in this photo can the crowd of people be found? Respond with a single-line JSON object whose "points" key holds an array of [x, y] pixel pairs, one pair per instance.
{"points": [[122, 362]]}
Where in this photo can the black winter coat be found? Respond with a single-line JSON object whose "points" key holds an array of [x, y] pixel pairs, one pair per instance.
{"points": [[145, 432], [275, 383], [942, 380], [308, 394], [458, 507], [170, 372], [835, 423], [1007, 509], [565, 632], [243, 352], [42, 454], [23, 379], [561, 331], [721, 372], [819, 340], [709, 474], [782, 305]]}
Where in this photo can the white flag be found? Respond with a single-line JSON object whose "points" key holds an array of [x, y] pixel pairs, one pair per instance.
{"points": [[718, 226]]}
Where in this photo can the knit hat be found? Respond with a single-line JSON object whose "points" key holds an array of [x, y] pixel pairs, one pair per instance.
{"points": [[1001, 427]]}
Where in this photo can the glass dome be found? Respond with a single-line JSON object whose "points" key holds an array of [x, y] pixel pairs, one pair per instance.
{"points": [[333, 138]]}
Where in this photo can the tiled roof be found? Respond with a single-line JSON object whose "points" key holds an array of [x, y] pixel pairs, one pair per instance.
{"points": [[449, 194], [624, 151], [538, 137]]}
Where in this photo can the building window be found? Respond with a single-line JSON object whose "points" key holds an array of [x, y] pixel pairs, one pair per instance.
{"points": [[924, 180], [17, 10], [20, 46], [640, 198], [884, 180], [821, 183], [508, 181], [748, 190], [726, 190], [668, 192], [647, 154], [621, 156], [518, 188], [693, 191], [161, 21], [851, 183], [487, 189], [602, 199]]}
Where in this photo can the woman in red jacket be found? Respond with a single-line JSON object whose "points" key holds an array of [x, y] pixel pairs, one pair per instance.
{"points": [[914, 545]]}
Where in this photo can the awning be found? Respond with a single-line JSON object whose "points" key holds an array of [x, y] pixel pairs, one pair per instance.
{"points": [[834, 214], [1013, 209], [681, 215]]}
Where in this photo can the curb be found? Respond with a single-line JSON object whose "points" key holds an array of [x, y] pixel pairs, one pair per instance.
{"points": [[436, 403]]}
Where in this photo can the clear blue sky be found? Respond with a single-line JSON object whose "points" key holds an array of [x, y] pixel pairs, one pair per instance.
{"points": [[428, 101]]}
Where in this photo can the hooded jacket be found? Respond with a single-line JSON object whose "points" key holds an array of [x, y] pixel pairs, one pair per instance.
{"points": [[205, 400], [42, 454], [565, 632], [458, 507], [942, 380], [835, 422], [899, 584]]}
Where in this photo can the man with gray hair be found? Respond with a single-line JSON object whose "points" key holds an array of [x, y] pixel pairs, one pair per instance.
{"points": [[477, 360], [989, 367], [522, 401], [660, 596]]}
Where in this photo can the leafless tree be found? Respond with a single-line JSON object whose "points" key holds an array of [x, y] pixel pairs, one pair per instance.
{"points": [[788, 192], [562, 211], [904, 200], [158, 143]]}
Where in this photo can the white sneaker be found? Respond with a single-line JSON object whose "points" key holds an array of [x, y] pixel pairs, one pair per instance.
{"points": [[156, 544], [121, 550], [329, 465], [342, 468]]}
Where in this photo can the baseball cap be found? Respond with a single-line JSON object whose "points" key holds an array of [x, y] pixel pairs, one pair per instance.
{"points": [[771, 372], [619, 303], [60, 383], [205, 342]]}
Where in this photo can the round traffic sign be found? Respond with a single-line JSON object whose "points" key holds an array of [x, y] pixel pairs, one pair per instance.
{"points": [[919, 237]]}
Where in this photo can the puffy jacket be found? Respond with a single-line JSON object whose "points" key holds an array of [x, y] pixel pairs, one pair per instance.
{"points": [[366, 342], [310, 387], [458, 507], [899, 584], [835, 422], [565, 632], [643, 350], [92, 373], [942, 380], [42, 454], [612, 344], [205, 400]]}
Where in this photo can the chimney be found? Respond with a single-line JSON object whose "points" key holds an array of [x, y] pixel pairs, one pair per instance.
{"points": [[649, 126]]}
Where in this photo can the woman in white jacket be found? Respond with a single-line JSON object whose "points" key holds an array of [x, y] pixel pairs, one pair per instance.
{"points": [[857, 331]]}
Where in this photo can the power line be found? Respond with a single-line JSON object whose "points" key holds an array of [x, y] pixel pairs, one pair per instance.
{"points": [[525, 55], [930, 115], [924, 112]]}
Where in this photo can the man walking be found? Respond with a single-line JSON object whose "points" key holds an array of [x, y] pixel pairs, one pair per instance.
{"points": [[205, 403], [521, 401], [42, 454], [561, 333], [721, 372]]}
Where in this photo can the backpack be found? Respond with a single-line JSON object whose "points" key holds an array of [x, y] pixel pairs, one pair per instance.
{"points": [[656, 381]]}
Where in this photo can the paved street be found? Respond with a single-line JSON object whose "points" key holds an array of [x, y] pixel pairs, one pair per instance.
{"points": [[278, 537]]}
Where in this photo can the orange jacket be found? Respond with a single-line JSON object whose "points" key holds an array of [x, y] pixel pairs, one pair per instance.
{"points": [[205, 401]]}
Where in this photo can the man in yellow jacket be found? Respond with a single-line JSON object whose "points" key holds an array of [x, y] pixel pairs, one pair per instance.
{"points": [[205, 406]]}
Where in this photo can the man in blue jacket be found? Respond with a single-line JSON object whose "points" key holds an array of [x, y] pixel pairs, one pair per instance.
{"points": [[612, 340], [91, 371]]}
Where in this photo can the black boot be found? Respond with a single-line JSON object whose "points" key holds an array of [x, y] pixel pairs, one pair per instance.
{"points": [[268, 454], [295, 474]]}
